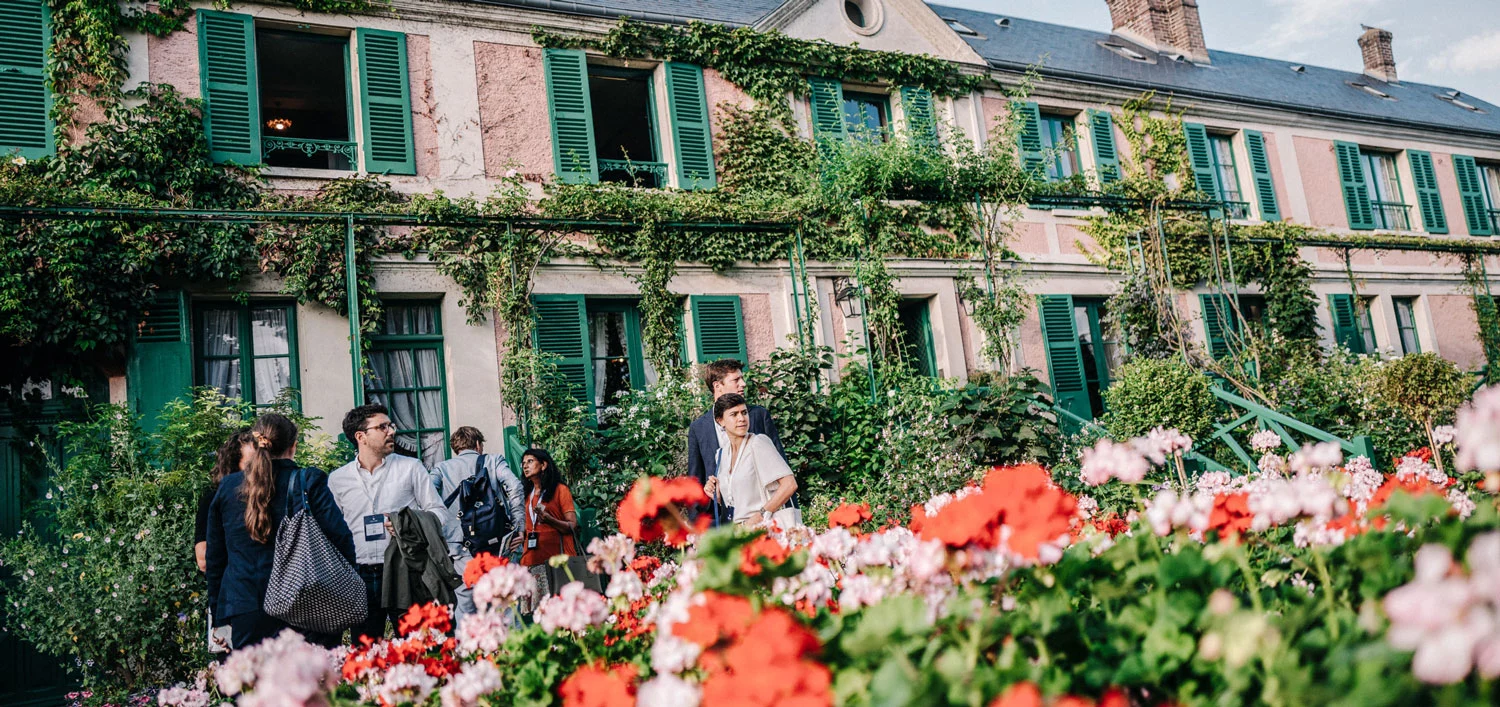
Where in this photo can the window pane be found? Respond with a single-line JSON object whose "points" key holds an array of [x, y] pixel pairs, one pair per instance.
{"points": [[402, 366], [608, 332], [864, 115], [1057, 141], [378, 376], [424, 319], [403, 411], [395, 320], [1229, 181], [611, 380], [303, 97], [427, 368], [1490, 175], [221, 332], [268, 332], [223, 374], [272, 375]]}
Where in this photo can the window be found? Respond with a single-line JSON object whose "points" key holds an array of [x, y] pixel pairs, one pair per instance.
{"points": [[1253, 311], [1353, 328], [624, 144], [617, 359], [1489, 185], [1384, 186], [866, 115], [1099, 354], [406, 375], [284, 98], [247, 349], [304, 100], [1406, 324], [915, 318], [1228, 176], [1060, 145], [627, 142]]}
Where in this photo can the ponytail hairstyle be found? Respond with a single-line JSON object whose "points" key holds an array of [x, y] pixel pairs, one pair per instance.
{"points": [[227, 460], [273, 435]]}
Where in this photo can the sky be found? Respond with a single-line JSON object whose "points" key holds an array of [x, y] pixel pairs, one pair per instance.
{"points": [[1448, 43]]}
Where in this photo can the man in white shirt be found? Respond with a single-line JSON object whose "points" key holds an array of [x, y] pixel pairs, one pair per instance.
{"points": [[467, 444], [376, 484]]}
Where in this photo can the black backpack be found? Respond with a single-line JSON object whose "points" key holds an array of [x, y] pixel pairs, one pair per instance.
{"points": [[481, 511]]}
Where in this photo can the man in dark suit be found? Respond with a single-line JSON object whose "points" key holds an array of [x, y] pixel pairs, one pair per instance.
{"points": [[704, 435]]}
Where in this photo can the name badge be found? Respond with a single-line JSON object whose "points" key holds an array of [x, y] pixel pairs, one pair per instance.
{"points": [[531, 541], [375, 527]]}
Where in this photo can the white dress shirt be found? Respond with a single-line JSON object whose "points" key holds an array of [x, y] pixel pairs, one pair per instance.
{"points": [[399, 482]]}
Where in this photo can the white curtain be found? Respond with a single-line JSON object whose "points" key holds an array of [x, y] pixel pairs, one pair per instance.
{"points": [[430, 403], [221, 337], [268, 336]]}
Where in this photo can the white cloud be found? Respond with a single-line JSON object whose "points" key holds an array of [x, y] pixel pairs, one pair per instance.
{"points": [[1470, 55], [1302, 22]]}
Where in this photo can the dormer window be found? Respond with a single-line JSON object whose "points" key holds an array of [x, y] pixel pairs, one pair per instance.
{"points": [[960, 28], [1367, 88], [1127, 52], [1453, 97]]}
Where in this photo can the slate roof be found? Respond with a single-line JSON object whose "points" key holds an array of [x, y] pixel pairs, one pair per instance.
{"points": [[1076, 54], [1073, 53]]}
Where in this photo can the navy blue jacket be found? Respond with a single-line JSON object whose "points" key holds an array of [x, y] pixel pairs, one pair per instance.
{"points": [[703, 440], [240, 568]]}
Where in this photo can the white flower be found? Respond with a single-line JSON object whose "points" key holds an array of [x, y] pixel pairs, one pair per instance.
{"points": [[1444, 434], [1313, 457], [1161, 444], [612, 554], [406, 682], [668, 691], [482, 632], [1462, 504], [575, 608], [1108, 459], [671, 655], [503, 586], [1477, 432], [1265, 441], [625, 584], [477, 679]]}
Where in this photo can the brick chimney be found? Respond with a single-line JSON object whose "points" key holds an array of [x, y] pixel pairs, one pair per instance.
{"points": [[1380, 59], [1168, 26]]}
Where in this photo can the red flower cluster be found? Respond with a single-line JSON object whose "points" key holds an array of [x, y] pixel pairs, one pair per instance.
{"points": [[481, 566], [421, 617], [599, 686], [742, 648], [764, 548], [850, 515], [435, 655], [645, 566], [1027, 694], [1423, 453], [1231, 515], [652, 510], [1111, 525], [1021, 498]]}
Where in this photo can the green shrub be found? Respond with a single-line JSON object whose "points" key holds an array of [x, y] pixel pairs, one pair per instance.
{"points": [[1337, 393], [1159, 392], [104, 565], [1426, 387]]}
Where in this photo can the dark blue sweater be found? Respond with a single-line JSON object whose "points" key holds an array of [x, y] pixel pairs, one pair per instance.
{"points": [[239, 568]]}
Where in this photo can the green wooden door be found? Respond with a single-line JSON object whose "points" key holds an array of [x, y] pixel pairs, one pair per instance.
{"points": [[1064, 356], [161, 358]]}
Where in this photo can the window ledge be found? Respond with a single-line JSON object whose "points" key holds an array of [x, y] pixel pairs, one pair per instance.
{"points": [[307, 173], [1078, 213]]}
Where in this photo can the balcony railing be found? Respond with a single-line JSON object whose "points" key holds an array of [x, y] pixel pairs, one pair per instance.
{"points": [[332, 148], [1237, 209], [1391, 215], [646, 174]]}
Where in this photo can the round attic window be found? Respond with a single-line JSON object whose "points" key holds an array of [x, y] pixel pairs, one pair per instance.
{"points": [[864, 16]]}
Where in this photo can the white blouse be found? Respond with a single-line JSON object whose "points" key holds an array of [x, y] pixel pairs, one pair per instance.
{"points": [[748, 483]]}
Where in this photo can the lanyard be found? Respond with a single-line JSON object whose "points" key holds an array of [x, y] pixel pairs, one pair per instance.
{"points": [[531, 504]]}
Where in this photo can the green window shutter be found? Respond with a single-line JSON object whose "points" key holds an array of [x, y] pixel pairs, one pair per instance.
{"points": [[1356, 192], [25, 99], [1218, 323], [1260, 174], [827, 102], [231, 93], [1200, 153], [385, 102], [1471, 193], [718, 328], [1030, 138], [1429, 199], [1346, 323], [1106, 157], [1064, 355], [573, 154], [692, 138], [160, 368], [921, 117], [562, 329]]}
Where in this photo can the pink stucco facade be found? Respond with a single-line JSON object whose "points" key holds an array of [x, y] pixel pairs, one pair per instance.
{"points": [[721, 95], [1453, 209], [1320, 180], [1029, 238], [174, 60], [760, 331], [1074, 241], [517, 132], [1457, 330], [424, 107]]}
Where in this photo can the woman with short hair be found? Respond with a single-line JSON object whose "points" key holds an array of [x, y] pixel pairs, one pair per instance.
{"points": [[752, 478]]}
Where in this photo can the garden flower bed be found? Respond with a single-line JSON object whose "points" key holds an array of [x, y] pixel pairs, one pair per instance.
{"points": [[1319, 580]]}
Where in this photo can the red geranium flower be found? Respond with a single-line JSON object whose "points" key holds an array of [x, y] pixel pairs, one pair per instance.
{"points": [[850, 515], [424, 616], [1231, 515], [1021, 694], [598, 686], [481, 566], [652, 510], [742, 648], [765, 548]]}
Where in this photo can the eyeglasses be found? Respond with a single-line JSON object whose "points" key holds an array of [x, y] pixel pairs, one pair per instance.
{"points": [[383, 427]]}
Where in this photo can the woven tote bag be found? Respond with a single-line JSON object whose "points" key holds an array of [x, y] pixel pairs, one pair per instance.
{"points": [[312, 586]]}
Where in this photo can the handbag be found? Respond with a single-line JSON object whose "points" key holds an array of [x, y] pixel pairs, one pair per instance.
{"points": [[576, 570], [312, 586], [219, 637]]}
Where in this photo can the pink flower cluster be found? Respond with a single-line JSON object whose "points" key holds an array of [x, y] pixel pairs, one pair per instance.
{"points": [[1265, 441], [1477, 432], [1413, 468], [474, 682], [1169, 511], [182, 696], [1316, 457], [503, 586], [575, 608], [285, 671], [1161, 444], [1113, 460], [1450, 619], [612, 554]]}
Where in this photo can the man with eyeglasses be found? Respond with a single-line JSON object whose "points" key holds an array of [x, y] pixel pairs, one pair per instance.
{"points": [[377, 484]]}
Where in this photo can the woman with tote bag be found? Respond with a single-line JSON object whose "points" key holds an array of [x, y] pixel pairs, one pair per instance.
{"points": [[243, 523], [752, 477]]}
